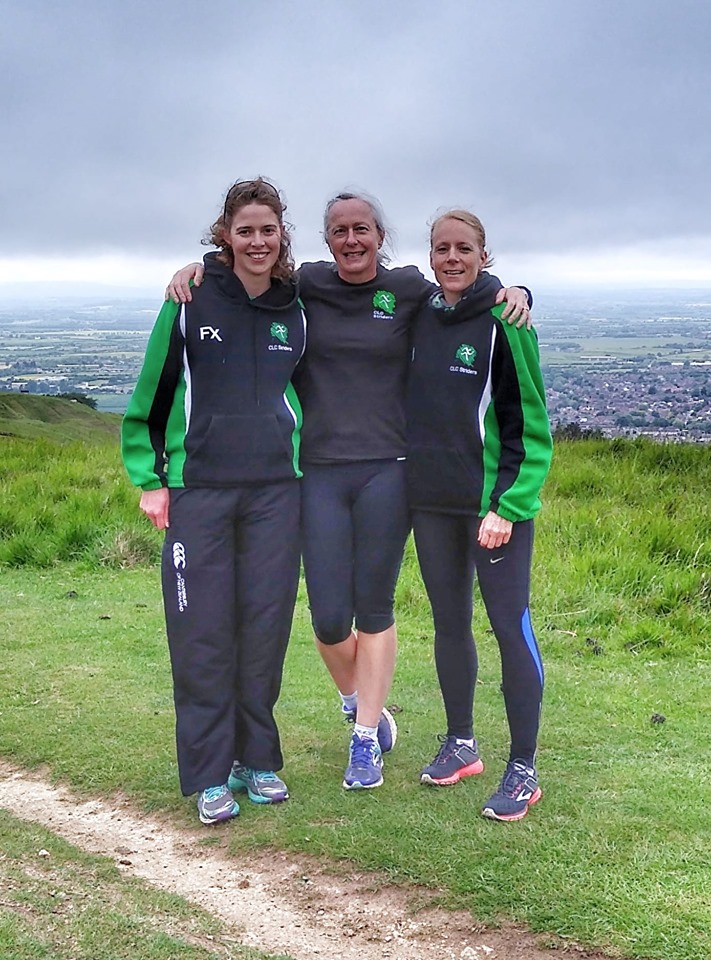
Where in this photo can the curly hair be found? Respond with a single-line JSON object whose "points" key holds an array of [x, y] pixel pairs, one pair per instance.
{"points": [[241, 194]]}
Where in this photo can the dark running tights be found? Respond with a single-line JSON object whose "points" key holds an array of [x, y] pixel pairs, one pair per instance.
{"points": [[354, 526], [449, 557]]}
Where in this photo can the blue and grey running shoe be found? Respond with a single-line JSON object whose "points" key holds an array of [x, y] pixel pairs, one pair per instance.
{"points": [[262, 786], [454, 761], [365, 767], [216, 804], [517, 791], [387, 728]]}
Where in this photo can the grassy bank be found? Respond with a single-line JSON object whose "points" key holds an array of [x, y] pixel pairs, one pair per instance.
{"points": [[69, 501], [36, 417]]}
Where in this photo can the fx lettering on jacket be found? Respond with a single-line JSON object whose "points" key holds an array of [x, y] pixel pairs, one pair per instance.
{"points": [[212, 332]]}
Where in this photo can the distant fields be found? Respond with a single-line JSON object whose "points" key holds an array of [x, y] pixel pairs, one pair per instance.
{"points": [[580, 350], [97, 346]]}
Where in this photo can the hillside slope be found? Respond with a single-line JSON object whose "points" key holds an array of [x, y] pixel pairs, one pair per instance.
{"points": [[52, 418]]}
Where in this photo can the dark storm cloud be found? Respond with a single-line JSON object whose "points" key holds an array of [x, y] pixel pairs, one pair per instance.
{"points": [[562, 122]]}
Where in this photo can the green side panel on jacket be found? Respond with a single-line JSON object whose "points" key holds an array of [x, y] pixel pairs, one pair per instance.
{"points": [[292, 402], [139, 454], [521, 501]]}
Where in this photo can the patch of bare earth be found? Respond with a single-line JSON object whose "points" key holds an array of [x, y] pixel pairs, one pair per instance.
{"points": [[279, 903]]}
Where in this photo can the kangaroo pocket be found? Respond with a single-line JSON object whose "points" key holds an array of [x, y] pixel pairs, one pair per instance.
{"points": [[240, 449], [438, 478]]}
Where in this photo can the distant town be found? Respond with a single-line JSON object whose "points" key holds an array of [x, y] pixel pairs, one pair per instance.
{"points": [[616, 364], [629, 365]]}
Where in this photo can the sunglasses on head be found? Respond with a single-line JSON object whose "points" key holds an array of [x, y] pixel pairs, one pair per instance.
{"points": [[249, 188]]}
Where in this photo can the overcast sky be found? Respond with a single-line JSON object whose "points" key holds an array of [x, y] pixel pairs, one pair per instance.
{"points": [[578, 130]]}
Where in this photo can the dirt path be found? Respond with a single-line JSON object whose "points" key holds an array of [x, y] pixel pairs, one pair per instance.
{"points": [[277, 903]]}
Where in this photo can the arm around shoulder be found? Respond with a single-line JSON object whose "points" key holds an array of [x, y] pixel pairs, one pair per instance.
{"points": [[179, 288], [518, 302]]}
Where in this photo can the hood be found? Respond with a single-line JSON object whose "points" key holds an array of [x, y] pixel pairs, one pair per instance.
{"points": [[478, 298], [280, 296]]}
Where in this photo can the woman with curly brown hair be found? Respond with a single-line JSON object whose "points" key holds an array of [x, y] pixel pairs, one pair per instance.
{"points": [[212, 436]]}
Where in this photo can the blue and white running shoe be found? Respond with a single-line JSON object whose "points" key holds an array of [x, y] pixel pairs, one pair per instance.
{"points": [[365, 767]]}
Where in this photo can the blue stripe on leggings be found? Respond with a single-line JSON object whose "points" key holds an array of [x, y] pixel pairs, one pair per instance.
{"points": [[531, 642]]}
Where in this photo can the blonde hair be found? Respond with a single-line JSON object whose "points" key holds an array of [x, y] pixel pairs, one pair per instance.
{"points": [[471, 220]]}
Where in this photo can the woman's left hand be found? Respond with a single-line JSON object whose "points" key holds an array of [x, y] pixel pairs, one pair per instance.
{"points": [[516, 309], [156, 506], [494, 531]]}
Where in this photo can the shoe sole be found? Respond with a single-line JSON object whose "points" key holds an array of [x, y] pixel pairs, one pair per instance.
{"points": [[213, 821], [392, 727], [512, 817], [472, 770], [357, 785]]}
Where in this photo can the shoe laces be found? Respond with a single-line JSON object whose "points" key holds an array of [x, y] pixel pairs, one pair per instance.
{"points": [[264, 775], [516, 774], [447, 748], [213, 793], [363, 750]]}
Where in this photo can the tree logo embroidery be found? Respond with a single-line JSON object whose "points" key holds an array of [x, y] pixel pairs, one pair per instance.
{"points": [[466, 354], [280, 332], [385, 301]]}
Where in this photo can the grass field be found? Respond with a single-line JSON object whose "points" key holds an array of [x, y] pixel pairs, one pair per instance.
{"points": [[618, 853], [616, 350]]}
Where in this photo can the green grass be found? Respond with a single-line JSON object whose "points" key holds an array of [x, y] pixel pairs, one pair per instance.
{"points": [[617, 854], [69, 501], [36, 417], [69, 905]]}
